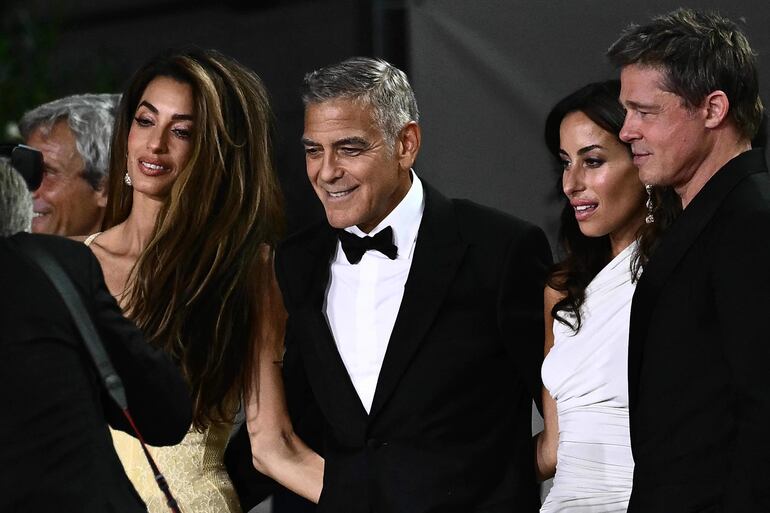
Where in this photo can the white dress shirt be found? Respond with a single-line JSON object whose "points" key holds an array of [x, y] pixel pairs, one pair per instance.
{"points": [[363, 300]]}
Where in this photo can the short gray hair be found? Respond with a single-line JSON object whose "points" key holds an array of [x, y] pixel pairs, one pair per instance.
{"points": [[372, 82], [15, 201], [90, 117]]}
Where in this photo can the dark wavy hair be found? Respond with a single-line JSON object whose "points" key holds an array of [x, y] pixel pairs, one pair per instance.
{"points": [[195, 289], [584, 257]]}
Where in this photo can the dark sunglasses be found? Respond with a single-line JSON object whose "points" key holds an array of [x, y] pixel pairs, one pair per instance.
{"points": [[27, 161]]}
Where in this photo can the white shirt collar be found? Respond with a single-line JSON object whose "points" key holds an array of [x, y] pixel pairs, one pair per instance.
{"points": [[404, 219]]}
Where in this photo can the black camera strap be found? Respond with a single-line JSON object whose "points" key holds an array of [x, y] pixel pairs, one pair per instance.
{"points": [[112, 382]]}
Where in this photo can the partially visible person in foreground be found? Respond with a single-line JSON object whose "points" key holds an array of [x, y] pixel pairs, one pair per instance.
{"points": [[57, 454]]}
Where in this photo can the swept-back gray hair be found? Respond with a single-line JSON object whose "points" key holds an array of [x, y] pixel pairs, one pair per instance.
{"points": [[90, 117], [15, 201], [372, 82]]}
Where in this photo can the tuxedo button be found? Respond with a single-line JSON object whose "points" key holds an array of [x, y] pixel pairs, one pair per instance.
{"points": [[374, 443]]}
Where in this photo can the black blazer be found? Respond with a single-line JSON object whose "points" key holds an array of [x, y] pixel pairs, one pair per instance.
{"points": [[56, 452], [699, 353], [450, 425]]}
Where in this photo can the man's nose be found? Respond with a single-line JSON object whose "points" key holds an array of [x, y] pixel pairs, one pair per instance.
{"points": [[629, 131], [330, 168]]}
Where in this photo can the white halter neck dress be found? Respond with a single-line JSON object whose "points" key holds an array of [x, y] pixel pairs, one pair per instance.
{"points": [[587, 375]]}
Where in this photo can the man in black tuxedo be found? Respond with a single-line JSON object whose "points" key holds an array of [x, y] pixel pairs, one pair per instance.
{"points": [[699, 347], [415, 321], [56, 452]]}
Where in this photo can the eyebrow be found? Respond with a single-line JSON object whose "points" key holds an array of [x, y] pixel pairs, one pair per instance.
{"points": [[154, 110], [308, 142], [636, 105], [352, 141], [583, 151]]}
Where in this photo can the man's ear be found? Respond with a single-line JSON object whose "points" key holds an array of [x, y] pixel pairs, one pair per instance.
{"points": [[408, 144], [716, 106], [101, 194]]}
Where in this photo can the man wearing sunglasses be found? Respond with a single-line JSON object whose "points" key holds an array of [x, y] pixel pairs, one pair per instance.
{"points": [[73, 133]]}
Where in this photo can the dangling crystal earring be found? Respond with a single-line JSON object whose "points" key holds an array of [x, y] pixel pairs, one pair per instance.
{"points": [[650, 218], [127, 179]]}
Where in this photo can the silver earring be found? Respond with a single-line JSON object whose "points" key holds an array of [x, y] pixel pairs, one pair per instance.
{"points": [[127, 179], [650, 217]]}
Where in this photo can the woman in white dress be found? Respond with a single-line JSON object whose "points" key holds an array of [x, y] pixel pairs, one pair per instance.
{"points": [[605, 241]]}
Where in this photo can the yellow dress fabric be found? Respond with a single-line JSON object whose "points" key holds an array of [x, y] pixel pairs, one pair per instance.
{"points": [[194, 470]]}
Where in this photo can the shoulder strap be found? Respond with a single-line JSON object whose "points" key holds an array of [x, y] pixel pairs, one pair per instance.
{"points": [[112, 382], [91, 238], [63, 284]]}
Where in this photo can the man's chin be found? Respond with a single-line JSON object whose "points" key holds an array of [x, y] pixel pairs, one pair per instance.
{"points": [[40, 224], [338, 224], [338, 218], [648, 176]]}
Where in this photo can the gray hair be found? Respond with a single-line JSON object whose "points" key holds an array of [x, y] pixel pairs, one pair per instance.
{"points": [[90, 117], [371, 82], [15, 201]]}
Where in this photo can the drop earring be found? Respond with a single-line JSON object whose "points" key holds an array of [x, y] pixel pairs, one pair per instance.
{"points": [[650, 217], [126, 178]]}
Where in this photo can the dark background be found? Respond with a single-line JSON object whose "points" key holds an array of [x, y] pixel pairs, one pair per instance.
{"points": [[485, 72]]}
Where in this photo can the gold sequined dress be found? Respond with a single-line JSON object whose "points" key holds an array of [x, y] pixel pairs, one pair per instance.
{"points": [[194, 468]]}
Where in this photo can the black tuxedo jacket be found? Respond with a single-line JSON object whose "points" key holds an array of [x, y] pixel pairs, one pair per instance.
{"points": [[450, 425], [56, 452], [699, 353]]}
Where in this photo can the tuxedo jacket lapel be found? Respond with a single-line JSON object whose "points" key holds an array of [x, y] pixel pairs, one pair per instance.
{"points": [[677, 241], [437, 256], [338, 385]]}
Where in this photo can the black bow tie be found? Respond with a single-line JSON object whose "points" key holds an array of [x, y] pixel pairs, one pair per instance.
{"points": [[355, 246]]}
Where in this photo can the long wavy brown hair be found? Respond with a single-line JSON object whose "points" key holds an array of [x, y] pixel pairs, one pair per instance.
{"points": [[583, 256], [195, 288]]}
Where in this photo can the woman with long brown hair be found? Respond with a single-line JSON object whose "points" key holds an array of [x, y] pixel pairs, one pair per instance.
{"points": [[194, 211]]}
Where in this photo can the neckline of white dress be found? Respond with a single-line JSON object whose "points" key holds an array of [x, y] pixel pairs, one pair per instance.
{"points": [[623, 255], [611, 269]]}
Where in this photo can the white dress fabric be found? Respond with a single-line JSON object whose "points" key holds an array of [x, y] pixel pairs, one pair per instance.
{"points": [[587, 375]]}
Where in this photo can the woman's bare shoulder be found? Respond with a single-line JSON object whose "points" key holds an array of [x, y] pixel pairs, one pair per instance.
{"points": [[551, 296], [110, 248], [109, 241]]}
